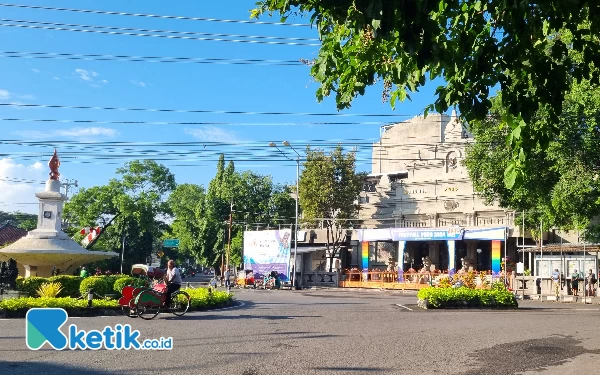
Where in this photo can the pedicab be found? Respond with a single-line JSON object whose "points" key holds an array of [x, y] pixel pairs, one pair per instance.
{"points": [[245, 279], [143, 300]]}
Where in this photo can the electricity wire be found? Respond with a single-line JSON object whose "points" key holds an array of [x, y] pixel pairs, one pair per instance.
{"points": [[160, 36], [56, 106], [152, 15], [160, 31], [128, 122], [150, 59]]}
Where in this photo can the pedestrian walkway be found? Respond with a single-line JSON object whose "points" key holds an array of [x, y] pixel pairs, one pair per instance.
{"points": [[564, 299]]}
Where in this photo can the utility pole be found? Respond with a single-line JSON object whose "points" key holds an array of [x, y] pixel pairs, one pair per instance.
{"points": [[67, 184], [229, 237], [123, 253]]}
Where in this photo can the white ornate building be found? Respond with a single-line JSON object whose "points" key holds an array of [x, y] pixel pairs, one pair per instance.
{"points": [[418, 181]]}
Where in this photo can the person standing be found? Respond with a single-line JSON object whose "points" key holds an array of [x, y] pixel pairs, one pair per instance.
{"points": [[556, 283], [575, 283], [84, 273], [227, 281], [591, 283]]}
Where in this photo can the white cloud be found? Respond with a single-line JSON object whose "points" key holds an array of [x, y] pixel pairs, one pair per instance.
{"points": [[6, 95], [56, 78], [139, 83], [87, 132], [93, 132], [37, 166], [86, 75], [104, 81], [35, 70], [19, 183], [212, 134]]}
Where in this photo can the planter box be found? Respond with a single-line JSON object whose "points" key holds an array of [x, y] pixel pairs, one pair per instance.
{"points": [[463, 304]]}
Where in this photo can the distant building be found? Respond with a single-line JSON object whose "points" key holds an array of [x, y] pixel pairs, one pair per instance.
{"points": [[9, 234]]}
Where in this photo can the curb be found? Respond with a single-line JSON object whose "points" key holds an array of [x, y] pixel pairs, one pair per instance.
{"points": [[100, 312]]}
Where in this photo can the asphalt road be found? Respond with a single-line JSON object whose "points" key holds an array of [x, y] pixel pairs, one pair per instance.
{"points": [[334, 332]]}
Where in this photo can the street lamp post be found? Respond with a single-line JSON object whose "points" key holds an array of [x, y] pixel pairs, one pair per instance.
{"points": [[287, 144]]}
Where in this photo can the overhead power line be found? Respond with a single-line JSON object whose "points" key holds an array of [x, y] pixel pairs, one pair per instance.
{"points": [[161, 31], [150, 59], [128, 122], [26, 105], [160, 36], [153, 15]]}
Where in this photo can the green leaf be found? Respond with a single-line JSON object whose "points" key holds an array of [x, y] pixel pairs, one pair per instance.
{"points": [[510, 175]]}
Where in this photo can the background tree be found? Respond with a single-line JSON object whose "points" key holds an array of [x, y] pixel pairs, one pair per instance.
{"points": [[561, 185], [329, 188], [530, 49], [201, 218], [19, 219], [188, 206], [131, 206]]}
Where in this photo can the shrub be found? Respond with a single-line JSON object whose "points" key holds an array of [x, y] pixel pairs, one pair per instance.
{"points": [[111, 280], [200, 297], [70, 284], [30, 285], [49, 290], [466, 297], [100, 284], [65, 303], [122, 282]]}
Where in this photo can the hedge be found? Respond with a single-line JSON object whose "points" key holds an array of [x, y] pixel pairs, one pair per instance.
{"points": [[30, 285], [433, 297], [200, 299], [99, 284], [66, 303], [122, 282], [70, 285]]}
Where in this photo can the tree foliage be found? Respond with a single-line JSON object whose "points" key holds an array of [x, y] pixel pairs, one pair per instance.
{"points": [[531, 50], [130, 205], [19, 219], [561, 187], [329, 188], [201, 217]]}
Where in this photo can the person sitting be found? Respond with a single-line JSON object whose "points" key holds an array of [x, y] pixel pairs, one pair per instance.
{"points": [[84, 273], [173, 280]]}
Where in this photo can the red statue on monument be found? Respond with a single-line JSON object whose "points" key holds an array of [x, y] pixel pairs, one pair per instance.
{"points": [[54, 163]]}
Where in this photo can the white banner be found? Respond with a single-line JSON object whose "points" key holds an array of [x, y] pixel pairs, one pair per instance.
{"points": [[266, 251]]}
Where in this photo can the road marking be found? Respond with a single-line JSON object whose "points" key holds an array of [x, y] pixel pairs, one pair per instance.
{"points": [[404, 307], [241, 304]]}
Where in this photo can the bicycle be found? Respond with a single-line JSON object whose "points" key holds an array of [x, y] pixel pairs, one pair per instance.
{"points": [[149, 302]]}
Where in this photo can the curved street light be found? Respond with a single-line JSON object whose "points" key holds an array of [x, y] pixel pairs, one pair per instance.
{"points": [[287, 144]]}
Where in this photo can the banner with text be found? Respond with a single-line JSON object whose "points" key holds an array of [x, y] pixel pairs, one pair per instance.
{"points": [[267, 251], [405, 234]]}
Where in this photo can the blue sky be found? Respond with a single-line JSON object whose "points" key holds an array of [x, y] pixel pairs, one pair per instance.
{"points": [[162, 85]]}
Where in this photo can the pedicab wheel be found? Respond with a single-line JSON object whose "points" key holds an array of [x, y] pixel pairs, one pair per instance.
{"points": [[129, 311], [148, 311], [180, 303]]}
